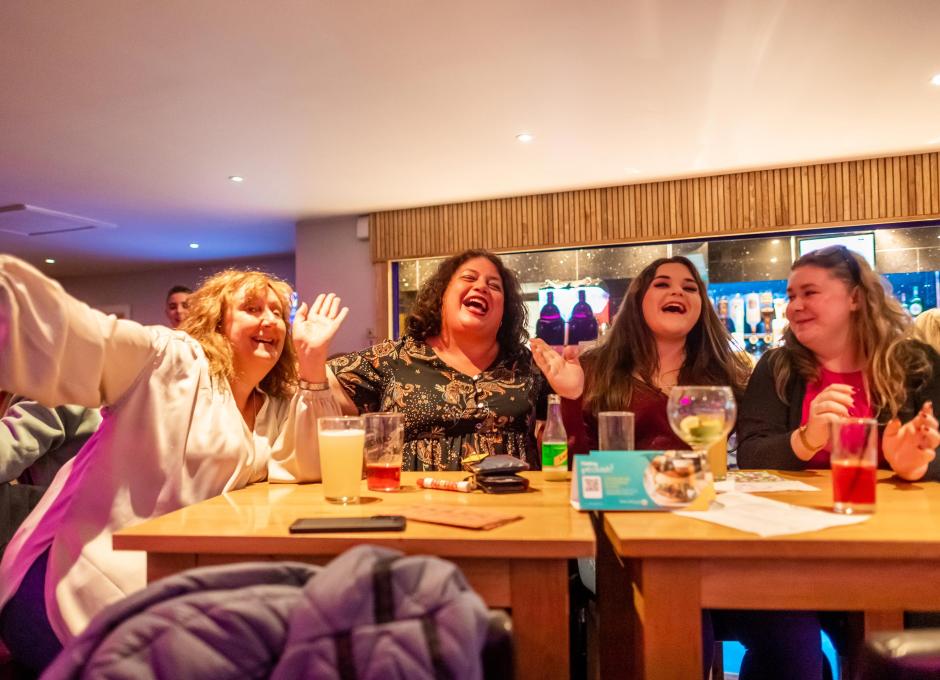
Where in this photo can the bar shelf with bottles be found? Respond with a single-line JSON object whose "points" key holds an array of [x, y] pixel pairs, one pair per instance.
{"points": [[746, 278]]}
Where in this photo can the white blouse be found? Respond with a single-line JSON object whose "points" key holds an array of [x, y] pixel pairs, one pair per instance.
{"points": [[170, 437]]}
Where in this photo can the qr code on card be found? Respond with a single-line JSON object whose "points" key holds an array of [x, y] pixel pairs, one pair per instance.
{"points": [[591, 487]]}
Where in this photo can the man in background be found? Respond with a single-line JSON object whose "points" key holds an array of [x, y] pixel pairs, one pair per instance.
{"points": [[177, 305]]}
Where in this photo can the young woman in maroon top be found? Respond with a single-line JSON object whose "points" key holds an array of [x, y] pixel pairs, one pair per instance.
{"points": [[847, 352], [667, 333]]}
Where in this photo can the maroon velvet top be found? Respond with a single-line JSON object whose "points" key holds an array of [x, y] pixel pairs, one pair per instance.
{"points": [[652, 431]]}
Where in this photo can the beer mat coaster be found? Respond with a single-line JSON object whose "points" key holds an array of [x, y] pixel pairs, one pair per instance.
{"points": [[454, 516], [759, 481]]}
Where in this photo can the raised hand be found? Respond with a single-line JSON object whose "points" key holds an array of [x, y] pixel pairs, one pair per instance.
{"points": [[563, 372], [313, 329], [910, 447], [829, 405]]}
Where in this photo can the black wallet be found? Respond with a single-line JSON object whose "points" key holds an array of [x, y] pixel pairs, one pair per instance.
{"points": [[498, 465], [497, 474], [502, 483]]}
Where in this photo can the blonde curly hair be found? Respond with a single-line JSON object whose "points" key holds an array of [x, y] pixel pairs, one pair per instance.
{"points": [[207, 309], [927, 328]]}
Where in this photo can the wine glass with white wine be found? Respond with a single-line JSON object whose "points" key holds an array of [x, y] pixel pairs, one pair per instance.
{"points": [[702, 417]]}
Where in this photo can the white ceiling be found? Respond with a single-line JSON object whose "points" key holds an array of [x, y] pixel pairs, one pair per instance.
{"points": [[135, 112]]}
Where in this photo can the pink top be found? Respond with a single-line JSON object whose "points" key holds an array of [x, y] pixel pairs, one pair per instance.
{"points": [[861, 408]]}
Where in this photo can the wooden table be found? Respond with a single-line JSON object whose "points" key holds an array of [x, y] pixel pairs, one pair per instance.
{"points": [[674, 566], [522, 566]]}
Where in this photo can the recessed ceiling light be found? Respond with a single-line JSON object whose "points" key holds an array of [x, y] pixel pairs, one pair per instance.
{"points": [[773, 260], [525, 137], [49, 260], [935, 80], [236, 178], [194, 245], [775, 241]]}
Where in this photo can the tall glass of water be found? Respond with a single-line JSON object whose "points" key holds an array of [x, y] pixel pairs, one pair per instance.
{"points": [[615, 431]]}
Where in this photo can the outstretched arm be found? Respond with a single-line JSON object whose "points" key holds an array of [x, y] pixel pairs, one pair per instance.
{"points": [[57, 350]]}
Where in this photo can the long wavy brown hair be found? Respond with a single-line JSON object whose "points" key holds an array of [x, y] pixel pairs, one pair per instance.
{"points": [[424, 320], [207, 308], [628, 354], [880, 329]]}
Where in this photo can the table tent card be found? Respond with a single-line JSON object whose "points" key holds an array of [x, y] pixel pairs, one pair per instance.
{"points": [[640, 480]]}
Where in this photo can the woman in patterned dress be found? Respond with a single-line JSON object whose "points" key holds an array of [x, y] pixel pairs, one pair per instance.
{"points": [[461, 374]]}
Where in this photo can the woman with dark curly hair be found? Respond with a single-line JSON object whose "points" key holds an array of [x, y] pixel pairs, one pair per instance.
{"points": [[461, 375]]}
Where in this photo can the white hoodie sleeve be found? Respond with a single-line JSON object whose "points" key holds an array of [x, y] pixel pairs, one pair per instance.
{"points": [[57, 350]]}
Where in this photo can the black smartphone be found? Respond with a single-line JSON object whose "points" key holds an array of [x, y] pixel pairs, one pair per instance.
{"points": [[325, 525]]}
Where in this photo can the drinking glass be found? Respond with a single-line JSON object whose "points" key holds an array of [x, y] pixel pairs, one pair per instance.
{"points": [[854, 460], [385, 437], [703, 416], [341, 442], [615, 431]]}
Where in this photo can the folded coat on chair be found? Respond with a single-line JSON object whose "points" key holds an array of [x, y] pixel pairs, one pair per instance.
{"points": [[371, 613]]}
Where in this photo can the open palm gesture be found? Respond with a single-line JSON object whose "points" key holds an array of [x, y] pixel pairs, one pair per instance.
{"points": [[315, 326], [563, 372], [910, 447]]}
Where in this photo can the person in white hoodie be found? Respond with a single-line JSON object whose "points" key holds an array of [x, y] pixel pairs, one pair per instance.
{"points": [[229, 399]]}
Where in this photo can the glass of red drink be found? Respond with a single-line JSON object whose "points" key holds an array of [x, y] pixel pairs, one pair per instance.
{"points": [[854, 461], [385, 437]]}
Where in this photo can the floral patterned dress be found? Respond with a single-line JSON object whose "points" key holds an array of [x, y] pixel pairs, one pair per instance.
{"points": [[448, 415]]}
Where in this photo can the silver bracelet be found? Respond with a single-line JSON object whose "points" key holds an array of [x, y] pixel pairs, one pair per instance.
{"points": [[312, 386]]}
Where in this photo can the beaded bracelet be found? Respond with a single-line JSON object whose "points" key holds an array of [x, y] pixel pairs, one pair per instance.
{"points": [[809, 447], [312, 386]]}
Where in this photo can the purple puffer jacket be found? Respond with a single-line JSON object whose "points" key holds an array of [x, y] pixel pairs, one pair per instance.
{"points": [[370, 613]]}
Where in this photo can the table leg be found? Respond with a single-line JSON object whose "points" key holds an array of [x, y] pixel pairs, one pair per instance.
{"points": [[540, 618], [669, 605], [618, 627]]}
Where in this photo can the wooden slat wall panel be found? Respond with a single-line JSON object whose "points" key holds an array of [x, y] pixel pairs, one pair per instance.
{"points": [[893, 189]]}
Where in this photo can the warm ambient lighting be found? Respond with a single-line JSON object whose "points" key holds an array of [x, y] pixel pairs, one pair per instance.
{"points": [[773, 260], [236, 178], [194, 245], [776, 241], [935, 80], [525, 137], [49, 260]]}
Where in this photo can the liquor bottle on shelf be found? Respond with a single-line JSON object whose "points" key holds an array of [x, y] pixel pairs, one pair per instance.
{"points": [[902, 298], [724, 313], [582, 326], [736, 313], [752, 313], [550, 326], [917, 305]]}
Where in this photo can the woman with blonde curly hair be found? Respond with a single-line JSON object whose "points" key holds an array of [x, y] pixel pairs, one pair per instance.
{"points": [[847, 352], [188, 414]]}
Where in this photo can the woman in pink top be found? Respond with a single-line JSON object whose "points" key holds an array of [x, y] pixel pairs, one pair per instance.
{"points": [[847, 352]]}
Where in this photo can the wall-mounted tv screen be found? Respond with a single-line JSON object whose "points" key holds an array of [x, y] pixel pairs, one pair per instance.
{"points": [[863, 244]]}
